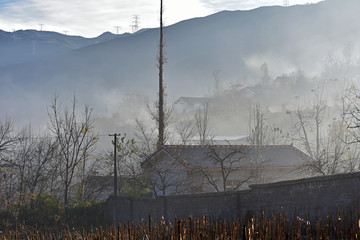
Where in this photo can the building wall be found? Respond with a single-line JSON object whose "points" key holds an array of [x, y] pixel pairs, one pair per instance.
{"points": [[315, 197]]}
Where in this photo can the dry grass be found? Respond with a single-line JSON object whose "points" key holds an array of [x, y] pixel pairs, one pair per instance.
{"points": [[258, 227]]}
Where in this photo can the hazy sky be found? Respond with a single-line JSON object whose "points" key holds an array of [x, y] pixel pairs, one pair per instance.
{"points": [[90, 18]]}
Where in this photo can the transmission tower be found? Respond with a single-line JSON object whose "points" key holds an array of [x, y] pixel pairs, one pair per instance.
{"points": [[135, 23], [41, 26], [117, 29], [286, 3]]}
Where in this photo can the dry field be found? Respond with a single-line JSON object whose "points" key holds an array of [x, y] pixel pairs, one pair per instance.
{"points": [[258, 227]]}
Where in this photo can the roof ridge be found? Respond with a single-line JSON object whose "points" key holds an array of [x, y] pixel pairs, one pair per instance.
{"points": [[174, 154], [300, 151], [229, 145]]}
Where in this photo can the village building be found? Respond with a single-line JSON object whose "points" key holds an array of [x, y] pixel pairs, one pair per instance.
{"points": [[185, 169], [187, 104]]}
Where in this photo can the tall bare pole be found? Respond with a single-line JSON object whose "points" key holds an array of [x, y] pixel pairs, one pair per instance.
{"points": [[115, 164], [161, 87]]}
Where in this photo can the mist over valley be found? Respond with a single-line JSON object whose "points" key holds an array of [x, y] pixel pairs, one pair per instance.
{"points": [[273, 55]]}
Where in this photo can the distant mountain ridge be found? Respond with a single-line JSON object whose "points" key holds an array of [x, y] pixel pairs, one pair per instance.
{"points": [[30, 45]]}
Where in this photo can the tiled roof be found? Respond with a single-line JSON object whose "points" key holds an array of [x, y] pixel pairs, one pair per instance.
{"points": [[242, 155], [193, 100]]}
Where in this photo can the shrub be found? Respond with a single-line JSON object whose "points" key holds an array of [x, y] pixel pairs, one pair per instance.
{"points": [[43, 210]]}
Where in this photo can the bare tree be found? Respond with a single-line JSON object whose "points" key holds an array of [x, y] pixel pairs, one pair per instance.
{"points": [[351, 125], [129, 155], [165, 176], [260, 132], [145, 139], [7, 137], [8, 140], [18, 161], [94, 187], [324, 146], [8, 187], [256, 126], [129, 163], [351, 112], [40, 164], [186, 129], [75, 139], [145, 134], [165, 121], [225, 167], [29, 165], [202, 124]]}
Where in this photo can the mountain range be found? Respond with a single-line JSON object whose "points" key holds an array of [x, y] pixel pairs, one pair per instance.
{"points": [[37, 65]]}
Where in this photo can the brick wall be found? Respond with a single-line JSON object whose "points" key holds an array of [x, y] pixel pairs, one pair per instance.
{"points": [[315, 197]]}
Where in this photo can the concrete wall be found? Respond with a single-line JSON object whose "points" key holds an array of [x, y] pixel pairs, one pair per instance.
{"points": [[315, 197]]}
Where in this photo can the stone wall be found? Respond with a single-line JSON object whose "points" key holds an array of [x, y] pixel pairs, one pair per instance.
{"points": [[313, 197]]}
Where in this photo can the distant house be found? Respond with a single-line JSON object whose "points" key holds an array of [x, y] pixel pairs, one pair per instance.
{"points": [[182, 169], [221, 140], [186, 104], [99, 188]]}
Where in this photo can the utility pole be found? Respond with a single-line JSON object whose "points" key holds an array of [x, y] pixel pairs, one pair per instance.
{"points": [[117, 29], [161, 87], [115, 164], [41, 26]]}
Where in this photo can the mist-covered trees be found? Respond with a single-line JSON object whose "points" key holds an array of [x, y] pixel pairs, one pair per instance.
{"points": [[33, 164], [27, 167], [75, 138], [60, 161], [186, 129], [202, 124], [53, 161], [261, 132], [326, 134]]}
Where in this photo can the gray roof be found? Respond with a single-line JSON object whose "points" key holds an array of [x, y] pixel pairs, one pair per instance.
{"points": [[193, 100], [241, 155]]}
